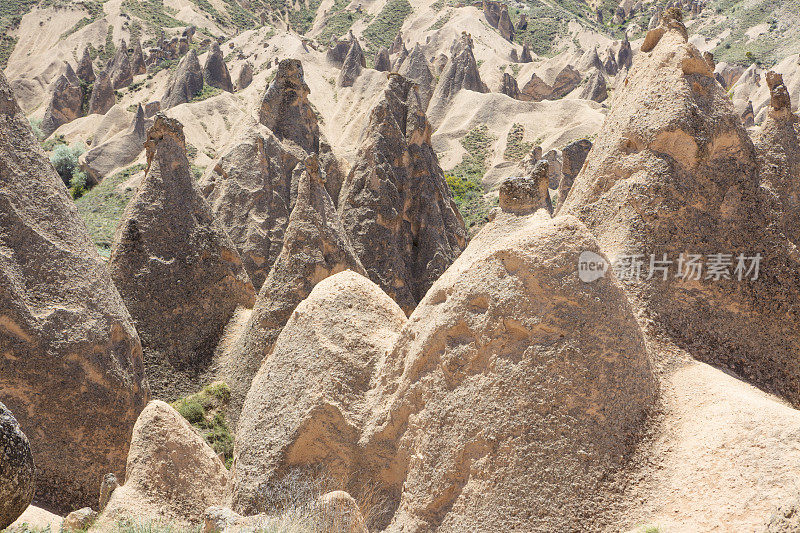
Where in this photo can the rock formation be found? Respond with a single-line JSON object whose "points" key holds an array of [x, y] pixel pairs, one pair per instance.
{"points": [[103, 97], [572, 158], [67, 344], [138, 65], [522, 23], [17, 470], [313, 407], [185, 83], [589, 60], [778, 148], [119, 68], [536, 89], [65, 104], [85, 68], [417, 69], [177, 270], [245, 77], [117, 152], [400, 57], [525, 56], [509, 86], [215, 71], [595, 87], [172, 474], [673, 157], [79, 520], [566, 81], [353, 63], [610, 63], [397, 45], [382, 61], [395, 194], [461, 73], [315, 246], [496, 14], [338, 49], [285, 108], [559, 386], [625, 54]]}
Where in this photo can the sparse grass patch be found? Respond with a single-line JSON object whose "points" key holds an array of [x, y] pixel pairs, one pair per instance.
{"points": [[206, 92], [95, 10], [383, 29], [516, 148], [205, 411], [465, 180], [152, 12]]}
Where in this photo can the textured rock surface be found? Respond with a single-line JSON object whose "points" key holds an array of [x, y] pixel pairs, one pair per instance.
{"points": [[65, 104], [245, 77], [339, 512], [285, 108], [354, 61], [310, 398], [396, 195], [382, 61], [315, 246], [536, 89], [186, 82], [119, 68], [103, 97], [138, 65], [172, 474], [118, 152], [417, 69], [778, 148], [17, 469], [509, 86], [79, 520], [554, 370], [85, 68], [526, 194], [215, 71], [673, 172], [461, 73], [67, 344], [572, 158], [595, 87], [525, 56], [177, 270], [566, 81]]}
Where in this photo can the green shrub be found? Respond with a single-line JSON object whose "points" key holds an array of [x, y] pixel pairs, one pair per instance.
{"points": [[77, 183], [65, 160], [206, 92], [382, 31], [465, 180], [205, 411], [36, 126], [516, 148], [191, 410]]}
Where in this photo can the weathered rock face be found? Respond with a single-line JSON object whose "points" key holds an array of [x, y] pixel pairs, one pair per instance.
{"points": [[566, 81], [509, 86], [395, 194], [65, 104], [17, 470], [245, 76], [138, 65], [67, 344], [397, 45], [536, 89], [747, 116], [496, 15], [85, 67], [382, 61], [522, 23], [461, 73], [315, 246], [417, 69], [673, 157], [177, 270], [119, 151], [595, 87], [79, 520], [572, 158], [119, 68], [337, 51], [286, 110], [625, 54], [215, 71], [172, 474], [400, 57], [589, 60], [525, 56], [314, 407], [103, 97], [555, 371], [525, 195], [186, 82], [610, 63], [778, 149], [353, 63]]}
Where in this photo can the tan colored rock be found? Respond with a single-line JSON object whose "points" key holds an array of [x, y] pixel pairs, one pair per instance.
{"points": [[525, 56], [509, 86], [417, 69], [17, 469], [572, 156], [79, 520], [353, 63], [536, 89], [566, 81], [397, 44], [315, 246], [138, 65], [103, 97], [67, 344], [119, 68], [595, 87], [177, 270], [461, 73], [65, 103], [382, 61], [285, 108], [396, 195], [674, 172], [173, 475], [310, 398], [215, 71], [245, 77], [107, 488], [85, 68], [185, 82], [555, 373], [117, 152], [339, 513]]}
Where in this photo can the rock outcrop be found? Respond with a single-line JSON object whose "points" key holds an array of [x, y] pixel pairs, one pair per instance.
{"points": [[177, 270], [79, 520], [778, 148], [536, 89], [65, 103], [396, 194], [397, 45], [509, 86], [354, 62], [103, 97], [595, 87], [572, 158], [625, 54], [417, 69], [496, 14], [245, 77], [461, 73], [338, 49], [313, 407], [673, 157], [382, 61], [119, 68], [17, 470], [67, 344], [566, 81], [555, 371], [285, 108], [85, 68], [138, 65], [117, 152], [525, 56], [589, 60], [172, 474], [215, 71], [185, 83]]}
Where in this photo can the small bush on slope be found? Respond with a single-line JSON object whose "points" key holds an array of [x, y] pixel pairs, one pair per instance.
{"points": [[465, 180], [205, 411]]}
